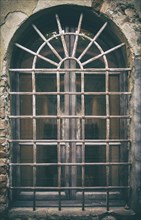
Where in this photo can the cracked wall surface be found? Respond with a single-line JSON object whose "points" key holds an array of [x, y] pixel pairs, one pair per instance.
{"points": [[126, 16]]}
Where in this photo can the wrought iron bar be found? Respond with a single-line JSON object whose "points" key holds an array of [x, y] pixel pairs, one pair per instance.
{"points": [[36, 54], [68, 140], [47, 42], [102, 54], [61, 32], [70, 93], [72, 164], [77, 70], [92, 41], [77, 32], [71, 188], [70, 116]]}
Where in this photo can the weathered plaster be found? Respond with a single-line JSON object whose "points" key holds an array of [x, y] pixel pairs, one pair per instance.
{"points": [[25, 6], [42, 4], [125, 17], [12, 23], [136, 137]]}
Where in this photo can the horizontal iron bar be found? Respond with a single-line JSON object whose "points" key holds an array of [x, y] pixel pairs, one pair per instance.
{"points": [[63, 143], [69, 140], [71, 164], [69, 116], [71, 188], [69, 70], [70, 93]]}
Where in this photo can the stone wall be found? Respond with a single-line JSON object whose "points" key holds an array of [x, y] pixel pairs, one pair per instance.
{"points": [[126, 16]]}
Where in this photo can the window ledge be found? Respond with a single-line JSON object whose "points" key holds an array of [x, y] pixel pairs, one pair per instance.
{"points": [[72, 213]]}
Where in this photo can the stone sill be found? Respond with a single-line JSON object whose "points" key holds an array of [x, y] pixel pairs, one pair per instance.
{"points": [[71, 213]]}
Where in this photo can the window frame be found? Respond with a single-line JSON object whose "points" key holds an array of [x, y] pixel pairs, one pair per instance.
{"points": [[107, 142]]}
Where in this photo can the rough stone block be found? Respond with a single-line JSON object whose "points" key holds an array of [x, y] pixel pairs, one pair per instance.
{"points": [[3, 178], [3, 154], [2, 123], [3, 199]]}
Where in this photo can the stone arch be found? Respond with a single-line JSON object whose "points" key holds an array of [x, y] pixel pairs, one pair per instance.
{"points": [[122, 26]]}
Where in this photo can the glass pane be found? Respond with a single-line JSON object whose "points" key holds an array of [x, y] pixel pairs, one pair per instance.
{"points": [[62, 82], [46, 128], [95, 129], [26, 176], [70, 104], [95, 175], [25, 82], [114, 153], [95, 105], [25, 105], [26, 128], [114, 83], [114, 128], [95, 154], [94, 83], [46, 83], [47, 176], [114, 102], [26, 154], [46, 154], [46, 105]]}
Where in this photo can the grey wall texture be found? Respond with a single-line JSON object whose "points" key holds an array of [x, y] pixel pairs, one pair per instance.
{"points": [[126, 19]]}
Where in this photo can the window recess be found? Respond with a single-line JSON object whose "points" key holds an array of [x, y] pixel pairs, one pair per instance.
{"points": [[69, 117]]}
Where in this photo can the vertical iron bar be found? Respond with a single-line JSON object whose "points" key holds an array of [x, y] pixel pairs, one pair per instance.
{"points": [[18, 130], [59, 137], [73, 111], [76, 38], [61, 32], [83, 139], [67, 122], [11, 175], [34, 138], [107, 138]]}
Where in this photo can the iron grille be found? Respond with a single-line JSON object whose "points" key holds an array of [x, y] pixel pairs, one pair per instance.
{"points": [[79, 67]]}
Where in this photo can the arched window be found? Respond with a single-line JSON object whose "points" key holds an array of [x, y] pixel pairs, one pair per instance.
{"points": [[69, 113]]}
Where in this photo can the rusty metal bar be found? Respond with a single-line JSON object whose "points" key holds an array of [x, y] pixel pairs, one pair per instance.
{"points": [[36, 54], [70, 116], [102, 54], [47, 42], [78, 70], [72, 164], [73, 188], [83, 138], [76, 38], [70, 93], [34, 137], [107, 132], [92, 41], [58, 137], [118, 144], [74, 140], [61, 32]]}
